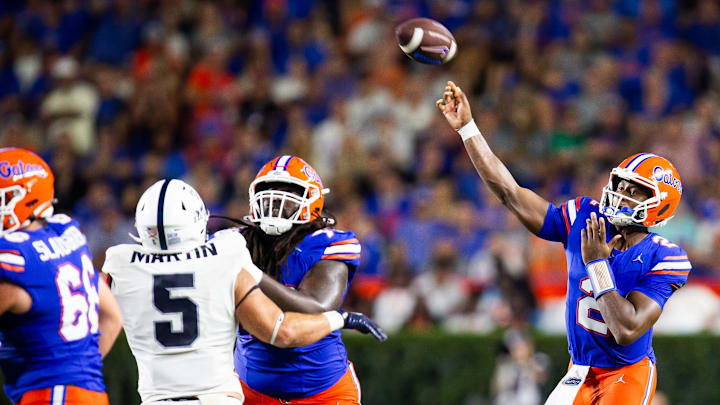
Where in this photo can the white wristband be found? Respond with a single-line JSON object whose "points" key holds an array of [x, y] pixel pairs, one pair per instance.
{"points": [[601, 276], [254, 272], [335, 319], [468, 130]]}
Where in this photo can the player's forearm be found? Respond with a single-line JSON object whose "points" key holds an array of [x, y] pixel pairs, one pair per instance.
{"points": [[109, 331], [292, 300], [302, 330], [493, 172], [621, 317], [110, 318], [527, 206]]}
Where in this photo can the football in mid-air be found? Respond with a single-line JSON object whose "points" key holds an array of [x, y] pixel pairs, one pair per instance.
{"points": [[426, 41]]}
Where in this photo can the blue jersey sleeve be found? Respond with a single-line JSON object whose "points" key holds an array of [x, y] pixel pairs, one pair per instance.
{"points": [[668, 272], [559, 219], [342, 246]]}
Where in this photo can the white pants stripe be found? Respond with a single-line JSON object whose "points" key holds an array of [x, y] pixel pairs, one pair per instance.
{"points": [[57, 396], [356, 381], [648, 387]]}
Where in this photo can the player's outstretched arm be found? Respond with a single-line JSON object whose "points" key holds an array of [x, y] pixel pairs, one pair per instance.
{"points": [[529, 207], [110, 318], [267, 322], [320, 290]]}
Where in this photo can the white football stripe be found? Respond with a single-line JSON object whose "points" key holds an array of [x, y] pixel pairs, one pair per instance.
{"points": [[672, 266], [349, 249], [640, 159], [283, 161], [12, 259], [451, 52], [572, 211], [415, 41]]}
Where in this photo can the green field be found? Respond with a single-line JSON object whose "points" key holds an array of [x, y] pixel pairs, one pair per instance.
{"points": [[456, 369]]}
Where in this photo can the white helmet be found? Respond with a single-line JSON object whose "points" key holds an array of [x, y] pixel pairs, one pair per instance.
{"points": [[171, 216]]}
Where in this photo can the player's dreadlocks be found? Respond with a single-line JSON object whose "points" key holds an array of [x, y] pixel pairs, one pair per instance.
{"points": [[269, 252]]}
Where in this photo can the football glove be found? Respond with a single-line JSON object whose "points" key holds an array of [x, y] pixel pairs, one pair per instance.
{"points": [[362, 324]]}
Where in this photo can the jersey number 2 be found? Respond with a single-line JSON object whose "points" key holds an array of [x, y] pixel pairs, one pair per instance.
{"points": [[79, 305], [587, 307], [162, 284]]}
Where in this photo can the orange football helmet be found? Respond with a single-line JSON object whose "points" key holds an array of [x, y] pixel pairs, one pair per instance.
{"points": [[653, 172], [26, 189], [286, 191]]}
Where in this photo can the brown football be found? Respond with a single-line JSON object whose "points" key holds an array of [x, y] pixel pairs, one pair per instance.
{"points": [[426, 41]]}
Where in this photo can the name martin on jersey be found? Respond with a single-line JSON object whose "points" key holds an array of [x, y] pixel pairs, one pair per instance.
{"points": [[198, 253]]}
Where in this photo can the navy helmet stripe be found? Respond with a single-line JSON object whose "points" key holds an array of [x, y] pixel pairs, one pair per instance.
{"points": [[160, 219]]}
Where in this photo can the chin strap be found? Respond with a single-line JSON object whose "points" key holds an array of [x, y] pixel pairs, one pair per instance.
{"points": [[275, 226]]}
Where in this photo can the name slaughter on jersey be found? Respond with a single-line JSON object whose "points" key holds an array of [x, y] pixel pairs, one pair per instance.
{"points": [[199, 252], [60, 246]]}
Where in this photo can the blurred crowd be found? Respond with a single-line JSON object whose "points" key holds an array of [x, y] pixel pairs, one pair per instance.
{"points": [[116, 94]]}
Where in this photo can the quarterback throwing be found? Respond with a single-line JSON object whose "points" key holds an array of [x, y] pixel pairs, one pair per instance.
{"points": [[620, 275]]}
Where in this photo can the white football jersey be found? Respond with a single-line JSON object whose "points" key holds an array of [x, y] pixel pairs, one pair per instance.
{"points": [[179, 314]]}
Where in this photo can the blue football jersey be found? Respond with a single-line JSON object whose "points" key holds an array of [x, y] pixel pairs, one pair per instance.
{"points": [[302, 371], [655, 267], [56, 342]]}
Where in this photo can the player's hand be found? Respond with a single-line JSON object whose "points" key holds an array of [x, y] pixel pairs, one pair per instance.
{"points": [[455, 106], [362, 324], [592, 240]]}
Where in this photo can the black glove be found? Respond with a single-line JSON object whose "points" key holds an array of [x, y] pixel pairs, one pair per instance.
{"points": [[362, 324]]}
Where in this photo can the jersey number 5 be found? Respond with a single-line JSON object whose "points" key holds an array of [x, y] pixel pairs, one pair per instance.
{"points": [[162, 284], [79, 305], [588, 311]]}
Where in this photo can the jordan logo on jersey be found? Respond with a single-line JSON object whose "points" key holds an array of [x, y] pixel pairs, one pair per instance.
{"points": [[638, 258]]}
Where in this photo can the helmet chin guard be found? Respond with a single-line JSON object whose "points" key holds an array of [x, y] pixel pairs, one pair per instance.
{"points": [[275, 226]]}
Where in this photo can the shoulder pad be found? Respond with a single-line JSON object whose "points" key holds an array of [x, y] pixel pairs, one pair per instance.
{"points": [[15, 237], [667, 248], [330, 235], [669, 258], [116, 256], [232, 235], [61, 219]]}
